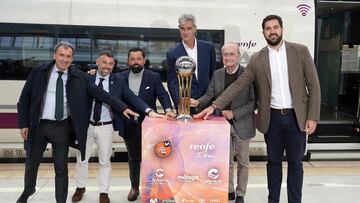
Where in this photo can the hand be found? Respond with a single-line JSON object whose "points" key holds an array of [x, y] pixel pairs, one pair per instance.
{"points": [[228, 114], [153, 114], [92, 72], [205, 113], [24, 133], [194, 102], [310, 126], [170, 114], [127, 113]]}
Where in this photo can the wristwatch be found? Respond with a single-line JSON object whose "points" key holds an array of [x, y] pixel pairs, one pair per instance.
{"points": [[147, 111]]}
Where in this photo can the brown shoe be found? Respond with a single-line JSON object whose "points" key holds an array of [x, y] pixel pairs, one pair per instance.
{"points": [[78, 195], [104, 198], [133, 194]]}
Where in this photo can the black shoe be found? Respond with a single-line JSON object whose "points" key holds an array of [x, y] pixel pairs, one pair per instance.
{"points": [[231, 196], [239, 199], [23, 197]]}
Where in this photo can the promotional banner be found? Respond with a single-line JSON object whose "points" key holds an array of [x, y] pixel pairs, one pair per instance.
{"points": [[185, 161]]}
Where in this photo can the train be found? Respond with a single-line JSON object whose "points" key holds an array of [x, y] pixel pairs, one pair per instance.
{"points": [[30, 29]]}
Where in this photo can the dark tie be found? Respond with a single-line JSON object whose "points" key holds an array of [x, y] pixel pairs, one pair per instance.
{"points": [[98, 104], [59, 98]]}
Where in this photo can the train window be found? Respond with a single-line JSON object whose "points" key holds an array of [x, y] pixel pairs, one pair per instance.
{"points": [[25, 46]]}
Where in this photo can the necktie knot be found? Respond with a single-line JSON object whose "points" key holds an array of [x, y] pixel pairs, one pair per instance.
{"points": [[60, 73]]}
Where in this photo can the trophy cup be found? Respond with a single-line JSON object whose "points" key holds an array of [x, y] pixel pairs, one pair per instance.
{"points": [[185, 66]]}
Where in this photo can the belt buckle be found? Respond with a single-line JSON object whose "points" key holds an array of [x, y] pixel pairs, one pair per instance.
{"points": [[283, 111]]}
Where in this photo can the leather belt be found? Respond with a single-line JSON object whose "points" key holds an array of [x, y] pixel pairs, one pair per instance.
{"points": [[100, 123], [282, 111]]}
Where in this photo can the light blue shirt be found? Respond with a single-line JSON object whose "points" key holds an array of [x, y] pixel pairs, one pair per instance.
{"points": [[49, 98], [106, 114]]}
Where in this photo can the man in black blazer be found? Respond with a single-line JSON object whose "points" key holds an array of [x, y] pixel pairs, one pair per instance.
{"points": [[147, 85], [53, 109], [103, 122], [203, 54]]}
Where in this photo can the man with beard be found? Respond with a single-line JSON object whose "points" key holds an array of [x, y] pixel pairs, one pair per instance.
{"points": [[289, 104], [103, 122], [147, 85]]}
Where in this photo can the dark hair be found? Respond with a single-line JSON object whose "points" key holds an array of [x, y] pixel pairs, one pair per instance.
{"points": [[106, 53], [271, 17], [135, 49], [66, 45]]}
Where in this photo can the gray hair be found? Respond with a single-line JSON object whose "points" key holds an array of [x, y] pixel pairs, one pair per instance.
{"points": [[66, 45], [187, 17], [230, 44]]}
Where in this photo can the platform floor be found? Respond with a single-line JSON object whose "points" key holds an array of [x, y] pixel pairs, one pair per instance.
{"points": [[324, 182]]}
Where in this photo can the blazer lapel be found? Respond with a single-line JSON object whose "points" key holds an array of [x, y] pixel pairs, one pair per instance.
{"points": [[111, 83], [266, 64], [290, 56]]}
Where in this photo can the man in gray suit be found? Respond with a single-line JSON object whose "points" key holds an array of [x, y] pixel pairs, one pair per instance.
{"points": [[289, 104], [239, 113]]}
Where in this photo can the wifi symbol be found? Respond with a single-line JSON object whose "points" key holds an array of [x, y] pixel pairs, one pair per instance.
{"points": [[303, 8]]}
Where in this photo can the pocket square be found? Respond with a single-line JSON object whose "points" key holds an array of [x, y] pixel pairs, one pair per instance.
{"points": [[147, 87]]}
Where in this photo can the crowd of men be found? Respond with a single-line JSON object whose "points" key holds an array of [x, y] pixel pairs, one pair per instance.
{"points": [[66, 107]]}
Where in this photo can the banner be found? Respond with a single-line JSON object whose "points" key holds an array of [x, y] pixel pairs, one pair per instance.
{"points": [[185, 161]]}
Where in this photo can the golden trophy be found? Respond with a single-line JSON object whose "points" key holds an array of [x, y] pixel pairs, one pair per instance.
{"points": [[185, 67]]}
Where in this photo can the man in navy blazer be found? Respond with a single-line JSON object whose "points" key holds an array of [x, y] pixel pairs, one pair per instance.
{"points": [[53, 109], [203, 54], [103, 122], [147, 85]]}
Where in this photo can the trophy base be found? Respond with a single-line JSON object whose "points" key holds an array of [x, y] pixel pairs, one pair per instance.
{"points": [[184, 118]]}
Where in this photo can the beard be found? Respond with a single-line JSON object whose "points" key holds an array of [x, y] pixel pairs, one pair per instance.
{"points": [[273, 43], [136, 68]]}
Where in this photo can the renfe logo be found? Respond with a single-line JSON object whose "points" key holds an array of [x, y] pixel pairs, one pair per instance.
{"points": [[247, 45], [202, 147]]}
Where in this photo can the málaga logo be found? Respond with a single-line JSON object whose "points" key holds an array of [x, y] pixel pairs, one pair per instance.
{"points": [[162, 149]]}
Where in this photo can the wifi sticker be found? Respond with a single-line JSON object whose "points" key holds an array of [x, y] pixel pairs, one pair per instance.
{"points": [[303, 8]]}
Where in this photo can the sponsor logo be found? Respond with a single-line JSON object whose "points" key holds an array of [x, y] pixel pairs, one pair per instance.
{"points": [[154, 200], [159, 172], [162, 149], [247, 44], [202, 150], [213, 173], [187, 178]]}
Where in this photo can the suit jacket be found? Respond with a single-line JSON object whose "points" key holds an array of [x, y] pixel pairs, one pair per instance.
{"points": [[119, 88], [242, 104], [78, 88], [151, 88], [205, 66], [303, 82]]}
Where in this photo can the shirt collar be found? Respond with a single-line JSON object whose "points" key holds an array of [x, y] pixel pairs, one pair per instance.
{"points": [[99, 76], [282, 47], [187, 47], [55, 69], [237, 67]]}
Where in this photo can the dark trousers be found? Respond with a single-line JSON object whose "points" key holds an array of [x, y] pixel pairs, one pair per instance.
{"points": [[56, 133], [284, 134], [133, 145]]}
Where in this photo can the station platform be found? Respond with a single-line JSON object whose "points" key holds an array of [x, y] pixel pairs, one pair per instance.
{"points": [[324, 182]]}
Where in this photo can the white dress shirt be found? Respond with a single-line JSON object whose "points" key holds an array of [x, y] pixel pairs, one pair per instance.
{"points": [[105, 109], [50, 95], [280, 89], [192, 52]]}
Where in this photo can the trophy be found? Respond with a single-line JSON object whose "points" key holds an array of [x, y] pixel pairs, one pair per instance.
{"points": [[185, 67]]}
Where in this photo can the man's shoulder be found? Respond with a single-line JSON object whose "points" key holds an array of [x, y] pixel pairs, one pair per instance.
{"points": [[176, 49], [204, 43], [295, 45]]}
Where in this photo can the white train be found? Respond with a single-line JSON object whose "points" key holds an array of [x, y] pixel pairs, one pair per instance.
{"points": [[29, 29]]}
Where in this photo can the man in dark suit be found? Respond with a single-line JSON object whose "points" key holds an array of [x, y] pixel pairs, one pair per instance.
{"points": [[147, 85], [53, 109], [239, 113], [203, 54], [288, 104], [103, 122]]}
